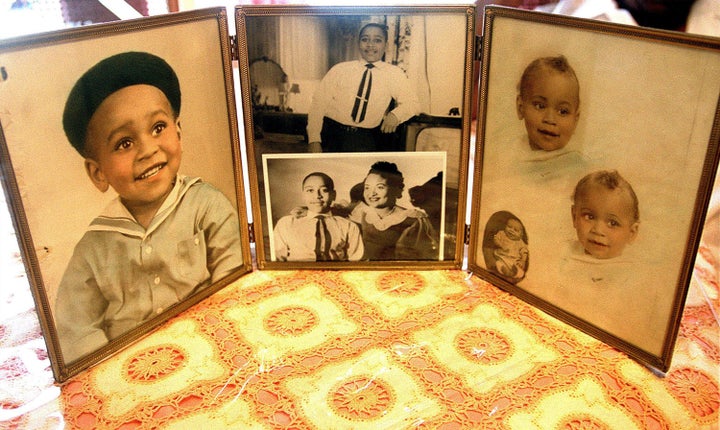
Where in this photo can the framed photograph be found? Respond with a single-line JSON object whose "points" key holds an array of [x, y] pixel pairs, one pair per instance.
{"points": [[598, 145], [323, 207], [123, 173], [356, 82]]}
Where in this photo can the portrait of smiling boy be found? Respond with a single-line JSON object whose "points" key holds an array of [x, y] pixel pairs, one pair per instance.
{"points": [[166, 235], [350, 108], [316, 234], [138, 155]]}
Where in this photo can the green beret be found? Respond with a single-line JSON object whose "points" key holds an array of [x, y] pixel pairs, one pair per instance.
{"points": [[110, 75]]}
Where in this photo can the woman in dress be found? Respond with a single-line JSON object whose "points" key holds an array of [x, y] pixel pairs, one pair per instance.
{"points": [[390, 231]]}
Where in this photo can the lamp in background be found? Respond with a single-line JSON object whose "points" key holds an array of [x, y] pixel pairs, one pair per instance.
{"points": [[294, 89]]}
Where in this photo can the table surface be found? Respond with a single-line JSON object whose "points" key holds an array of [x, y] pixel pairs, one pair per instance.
{"points": [[363, 349], [334, 350]]}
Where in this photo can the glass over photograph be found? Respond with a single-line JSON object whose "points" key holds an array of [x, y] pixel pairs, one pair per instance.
{"points": [[132, 214], [356, 207], [358, 81], [591, 180]]}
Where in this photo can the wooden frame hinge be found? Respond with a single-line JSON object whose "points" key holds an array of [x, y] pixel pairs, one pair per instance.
{"points": [[466, 238], [478, 47], [234, 54], [251, 232]]}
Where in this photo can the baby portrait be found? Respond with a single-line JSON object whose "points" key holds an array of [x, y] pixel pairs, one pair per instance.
{"points": [[580, 146], [505, 247]]}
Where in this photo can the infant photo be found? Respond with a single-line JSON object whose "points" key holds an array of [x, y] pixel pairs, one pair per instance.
{"points": [[583, 166]]}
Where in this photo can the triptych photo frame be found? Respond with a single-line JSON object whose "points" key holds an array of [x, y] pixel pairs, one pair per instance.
{"points": [[575, 173]]}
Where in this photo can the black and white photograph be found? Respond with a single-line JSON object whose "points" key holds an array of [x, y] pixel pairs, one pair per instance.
{"points": [[366, 207], [357, 81]]}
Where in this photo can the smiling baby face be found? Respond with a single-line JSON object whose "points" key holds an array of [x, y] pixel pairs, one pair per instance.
{"points": [[549, 106], [604, 220]]}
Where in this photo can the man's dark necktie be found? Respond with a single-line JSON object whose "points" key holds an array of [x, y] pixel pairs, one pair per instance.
{"points": [[322, 240], [363, 95]]}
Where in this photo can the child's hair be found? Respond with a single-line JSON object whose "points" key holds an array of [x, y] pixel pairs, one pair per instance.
{"points": [[559, 64], [327, 179], [108, 76], [382, 28], [392, 175], [611, 180]]}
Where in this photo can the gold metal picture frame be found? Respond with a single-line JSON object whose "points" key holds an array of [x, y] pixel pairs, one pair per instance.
{"points": [[597, 148], [285, 54], [85, 311], [597, 145]]}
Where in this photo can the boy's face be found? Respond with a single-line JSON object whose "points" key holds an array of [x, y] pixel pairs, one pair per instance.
{"points": [[604, 221], [372, 44], [133, 139], [513, 229], [550, 109], [316, 194]]}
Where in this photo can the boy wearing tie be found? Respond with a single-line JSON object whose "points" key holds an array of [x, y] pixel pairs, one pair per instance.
{"points": [[317, 235]]}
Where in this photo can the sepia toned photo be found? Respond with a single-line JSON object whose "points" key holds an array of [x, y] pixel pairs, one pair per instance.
{"points": [[354, 81], [356, 207], [127, 196], [591, 182]]}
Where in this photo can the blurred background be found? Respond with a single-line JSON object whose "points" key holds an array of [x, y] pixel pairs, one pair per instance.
{"points": [[18, 17]]}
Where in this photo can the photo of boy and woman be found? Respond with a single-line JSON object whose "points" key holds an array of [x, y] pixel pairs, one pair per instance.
{"points": [[165, 236], [379, 221]]}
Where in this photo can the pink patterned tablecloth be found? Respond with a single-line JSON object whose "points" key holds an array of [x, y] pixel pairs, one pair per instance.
{"points": [[359, 349]]}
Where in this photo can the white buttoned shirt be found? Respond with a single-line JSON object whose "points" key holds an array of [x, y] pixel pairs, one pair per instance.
{"points": [[335, 96]]}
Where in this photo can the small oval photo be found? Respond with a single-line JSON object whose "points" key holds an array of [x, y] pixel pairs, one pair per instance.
{"points": [[505, 246]]}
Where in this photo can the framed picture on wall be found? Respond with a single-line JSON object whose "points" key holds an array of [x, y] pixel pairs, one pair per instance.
{"points": [[123, 173], [357, 82], [590, 184]]}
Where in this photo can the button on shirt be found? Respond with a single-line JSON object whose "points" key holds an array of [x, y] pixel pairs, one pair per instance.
{"points": [[335, 96]]}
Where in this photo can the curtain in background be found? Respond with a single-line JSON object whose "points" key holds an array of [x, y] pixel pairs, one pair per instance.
{"points": [[407, 48], [303, 47], [309, 46], [264, 38]]}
